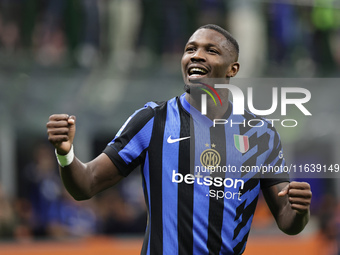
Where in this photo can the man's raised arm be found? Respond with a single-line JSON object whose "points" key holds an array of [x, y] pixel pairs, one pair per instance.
{"points": [[82, 180]]}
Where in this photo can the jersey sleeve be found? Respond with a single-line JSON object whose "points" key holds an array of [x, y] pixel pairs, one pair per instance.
{"points": [[127, 150], [274, 170]]}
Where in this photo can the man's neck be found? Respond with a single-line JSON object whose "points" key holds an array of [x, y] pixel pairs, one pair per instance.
{"points": [[213, 111]]}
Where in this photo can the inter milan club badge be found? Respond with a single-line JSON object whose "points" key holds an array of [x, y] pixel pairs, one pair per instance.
{"points": [[241, 143], [210, 158]]}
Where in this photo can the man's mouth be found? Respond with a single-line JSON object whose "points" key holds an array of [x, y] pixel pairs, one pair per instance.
{"points": [[197, 72]]}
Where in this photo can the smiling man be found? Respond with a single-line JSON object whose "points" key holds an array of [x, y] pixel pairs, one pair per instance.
{"points": [[211, 53], [198, 199]]}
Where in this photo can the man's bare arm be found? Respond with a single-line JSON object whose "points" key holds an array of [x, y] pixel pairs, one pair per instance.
{"points": [[82, 180], [289, 204]]}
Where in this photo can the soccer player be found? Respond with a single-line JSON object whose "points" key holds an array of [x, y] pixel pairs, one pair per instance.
{"points": [[192, 209]]}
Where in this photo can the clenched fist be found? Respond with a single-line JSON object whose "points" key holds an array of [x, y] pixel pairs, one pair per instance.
{"points": [[299, 196], [61, 129]]}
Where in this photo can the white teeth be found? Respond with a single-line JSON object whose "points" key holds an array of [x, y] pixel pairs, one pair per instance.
{"points": [[197, 69]]}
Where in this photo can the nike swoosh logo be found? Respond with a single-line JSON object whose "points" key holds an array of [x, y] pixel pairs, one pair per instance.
{"points": [[170, 140]]}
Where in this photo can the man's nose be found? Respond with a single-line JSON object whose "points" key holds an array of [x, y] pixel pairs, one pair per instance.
{"points": [[198, 56]]}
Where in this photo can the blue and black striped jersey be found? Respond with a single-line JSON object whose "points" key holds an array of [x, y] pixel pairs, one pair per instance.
{"points": [[200, 180]]}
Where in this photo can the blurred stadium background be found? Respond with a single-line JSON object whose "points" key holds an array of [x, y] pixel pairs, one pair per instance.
{"points": [[103, 59]]}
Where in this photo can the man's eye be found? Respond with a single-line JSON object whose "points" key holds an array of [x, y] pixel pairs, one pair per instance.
{"points": [[190, 49], [213, 51]]}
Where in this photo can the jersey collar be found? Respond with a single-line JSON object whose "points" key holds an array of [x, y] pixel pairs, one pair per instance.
{"points": [[196, 114]]}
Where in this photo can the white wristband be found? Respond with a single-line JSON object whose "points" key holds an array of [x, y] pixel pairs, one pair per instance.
{"points": [[65, 160]]}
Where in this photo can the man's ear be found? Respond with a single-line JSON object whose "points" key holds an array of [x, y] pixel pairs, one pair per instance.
{"points": [[233, 69]]}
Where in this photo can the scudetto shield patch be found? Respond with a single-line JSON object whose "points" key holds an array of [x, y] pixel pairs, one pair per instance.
{"points": [[241, 143]]}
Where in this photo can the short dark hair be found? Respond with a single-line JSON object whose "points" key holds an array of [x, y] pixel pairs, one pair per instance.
{"points": [[225, 33]]}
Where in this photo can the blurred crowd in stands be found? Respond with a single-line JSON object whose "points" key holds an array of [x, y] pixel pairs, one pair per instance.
{"points": [[45, 209], [290, 38]]}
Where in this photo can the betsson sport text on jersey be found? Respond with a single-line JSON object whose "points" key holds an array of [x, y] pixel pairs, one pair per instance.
{"points": [[235, 185]]}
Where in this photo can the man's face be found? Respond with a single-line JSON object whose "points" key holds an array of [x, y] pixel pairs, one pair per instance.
{"points": [[207, 55]]}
